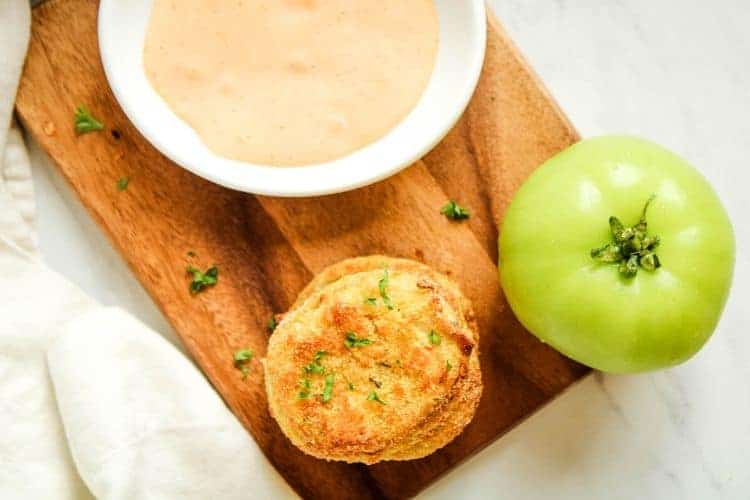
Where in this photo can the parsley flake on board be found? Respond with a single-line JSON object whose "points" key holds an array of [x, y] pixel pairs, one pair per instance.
{"points": [[243, 355], [372, 301], [202, 280], [241, 359], [454, 211], [122, 183], [85, 122], [352, 341], [328, 389], [373, 396], [272, 324]]}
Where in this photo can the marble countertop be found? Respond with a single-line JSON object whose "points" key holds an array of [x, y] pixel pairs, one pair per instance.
{"points": [[673, 71]]}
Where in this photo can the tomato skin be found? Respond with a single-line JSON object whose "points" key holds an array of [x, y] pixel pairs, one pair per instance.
{"points": [[586, 309]]}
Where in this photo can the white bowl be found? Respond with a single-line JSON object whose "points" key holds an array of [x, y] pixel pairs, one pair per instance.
{"points": [[122, 30]]}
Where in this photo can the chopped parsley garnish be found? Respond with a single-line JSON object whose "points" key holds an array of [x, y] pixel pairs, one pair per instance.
{"points": [[373, 396], [351, 341], [315, 366], [454, 211], [434, 338], [383, 286], [305, 392], [372, 301], [122, 183], [448, 366], [202, 280], [85, 123], [272, 324], [351, 386], [328, 389], [241, 359]]}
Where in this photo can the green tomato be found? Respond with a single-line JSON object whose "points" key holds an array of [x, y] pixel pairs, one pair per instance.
{"points": [[603, 314]]}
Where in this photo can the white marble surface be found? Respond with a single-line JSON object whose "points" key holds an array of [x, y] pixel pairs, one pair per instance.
{"points": [[677, 72]]}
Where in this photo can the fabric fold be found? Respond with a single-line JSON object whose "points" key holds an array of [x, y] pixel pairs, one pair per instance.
{"points": [[142, 422], [34, 458]]}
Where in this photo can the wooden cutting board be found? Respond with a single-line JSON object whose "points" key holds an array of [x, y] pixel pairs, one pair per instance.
{"points": [[267, 249]]}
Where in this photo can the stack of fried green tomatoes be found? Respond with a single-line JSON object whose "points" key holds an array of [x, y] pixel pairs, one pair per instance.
{"points": [[619, 254]]}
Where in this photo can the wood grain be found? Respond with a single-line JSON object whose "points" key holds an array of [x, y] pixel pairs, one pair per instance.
{"points": [[267, 249]]}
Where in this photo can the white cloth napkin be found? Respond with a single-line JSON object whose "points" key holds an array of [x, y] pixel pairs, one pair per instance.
{"points": [[92, 402]]}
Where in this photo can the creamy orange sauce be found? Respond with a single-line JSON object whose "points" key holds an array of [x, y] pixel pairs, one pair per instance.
{"points": [[291, 82]]}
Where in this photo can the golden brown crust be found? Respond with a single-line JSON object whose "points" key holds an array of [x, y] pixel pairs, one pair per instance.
{"points": [[429, 388]]}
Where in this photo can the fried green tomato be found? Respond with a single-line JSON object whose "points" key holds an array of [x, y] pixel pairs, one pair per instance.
{"points": [[378, 359]]}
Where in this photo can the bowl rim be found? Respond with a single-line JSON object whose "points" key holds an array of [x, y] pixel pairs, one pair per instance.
{"points": [[317, 178]]}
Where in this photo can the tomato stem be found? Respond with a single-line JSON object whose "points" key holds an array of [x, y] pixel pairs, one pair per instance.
{"points": [[631, 247]]}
